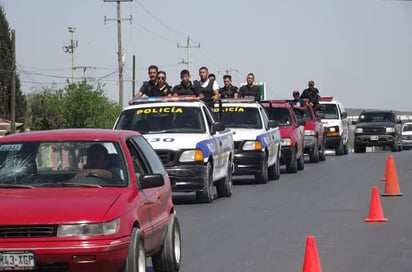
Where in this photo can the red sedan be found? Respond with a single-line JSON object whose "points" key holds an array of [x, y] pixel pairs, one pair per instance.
{"points": [[85, 200]]}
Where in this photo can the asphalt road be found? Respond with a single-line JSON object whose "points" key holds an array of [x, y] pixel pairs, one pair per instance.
{"points": [[263, 228]]}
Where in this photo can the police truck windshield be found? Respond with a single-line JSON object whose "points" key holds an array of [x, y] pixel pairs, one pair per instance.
{"points": [[170, 119], [240, 117]]}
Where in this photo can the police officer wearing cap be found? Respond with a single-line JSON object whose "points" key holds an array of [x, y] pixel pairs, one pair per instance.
{"points": [[311, 94]]}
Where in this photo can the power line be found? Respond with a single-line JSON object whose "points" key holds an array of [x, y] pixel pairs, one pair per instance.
{"points": [[27, 74], [158, 20]]}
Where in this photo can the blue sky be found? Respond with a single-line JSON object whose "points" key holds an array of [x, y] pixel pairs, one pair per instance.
{"points": [[359, 51]]}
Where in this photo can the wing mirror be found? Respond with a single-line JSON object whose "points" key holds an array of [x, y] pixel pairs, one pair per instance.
{"points": [[151, 181], [218, 126], [272, 124]]}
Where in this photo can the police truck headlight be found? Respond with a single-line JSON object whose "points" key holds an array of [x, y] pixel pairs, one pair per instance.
{"points": [[358, 130], [285, 142], [390, 130], [310, 133], [106, 228], [195, 155], [252, 145]]}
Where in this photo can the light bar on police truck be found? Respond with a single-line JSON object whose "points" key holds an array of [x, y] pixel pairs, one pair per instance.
{"points": [[154, 99], [326, 98], [237, 100], [276, 101]]}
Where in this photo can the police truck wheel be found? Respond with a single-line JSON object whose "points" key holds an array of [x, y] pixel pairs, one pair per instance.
{"points": [[262, 177], [206, 195], [274, 170], [224, 187]]}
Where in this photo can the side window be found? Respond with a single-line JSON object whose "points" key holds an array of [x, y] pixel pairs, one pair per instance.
{"points": [[209, 118], [341, 110], [264, 117], [138, 164], [152, 159]]}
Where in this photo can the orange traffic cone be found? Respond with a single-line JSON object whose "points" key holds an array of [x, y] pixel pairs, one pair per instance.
{"points": [[375, 210], [385, 174], [392, 185], [311, 262]]}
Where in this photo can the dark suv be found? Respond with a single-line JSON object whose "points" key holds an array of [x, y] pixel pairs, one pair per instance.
{"points": [[377, 128]]}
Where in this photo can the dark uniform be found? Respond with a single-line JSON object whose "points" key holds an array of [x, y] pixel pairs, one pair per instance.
{"points": [[228, 93], [312, 96], [182, 89], [164, 91], [207, 91], [147, 86], [247, 91]]}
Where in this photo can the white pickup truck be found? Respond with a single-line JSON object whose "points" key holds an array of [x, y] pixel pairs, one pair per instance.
{"points": [[197, 151], [257, 139]]}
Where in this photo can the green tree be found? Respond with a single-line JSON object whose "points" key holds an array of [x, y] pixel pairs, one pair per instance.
{"points": [[85, 107], [45, 110], [6, 74], [78, 105]]}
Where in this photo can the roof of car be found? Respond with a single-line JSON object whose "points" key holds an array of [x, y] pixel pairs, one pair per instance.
{"points": [[239, 103], [276, 104], [165, 104], [83, 134], [377, 111]]}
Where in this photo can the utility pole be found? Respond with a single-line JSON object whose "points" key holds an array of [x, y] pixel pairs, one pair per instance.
{"points": [[84, 68], [13, 83], [71, 48], [188, 46], [134, 76], [120, 56]]}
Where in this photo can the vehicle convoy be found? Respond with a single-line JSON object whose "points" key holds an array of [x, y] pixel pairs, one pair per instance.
{"points": [[292, 133], [85, 200], [407, 135], [314, 135], [335, 121], [378, 128], [256, 138], [197, 151]]}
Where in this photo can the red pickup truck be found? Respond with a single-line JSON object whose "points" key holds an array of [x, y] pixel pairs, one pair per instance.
{"points": [[291, 132], [314, 135]]}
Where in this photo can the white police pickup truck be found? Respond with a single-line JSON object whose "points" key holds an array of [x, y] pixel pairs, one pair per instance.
{"points": [[257, 139], [196, 151]]}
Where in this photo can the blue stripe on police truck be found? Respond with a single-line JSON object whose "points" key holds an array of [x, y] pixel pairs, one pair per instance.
{"points": [[209, 147], [264, 139]]}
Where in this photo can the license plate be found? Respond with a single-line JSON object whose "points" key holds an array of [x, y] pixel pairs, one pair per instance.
{"points": [[17, 260], [374, 138]]}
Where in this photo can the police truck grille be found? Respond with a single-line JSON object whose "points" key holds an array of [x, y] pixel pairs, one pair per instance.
{"points": [[28, 231], [237, 145], [166, 156]]}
